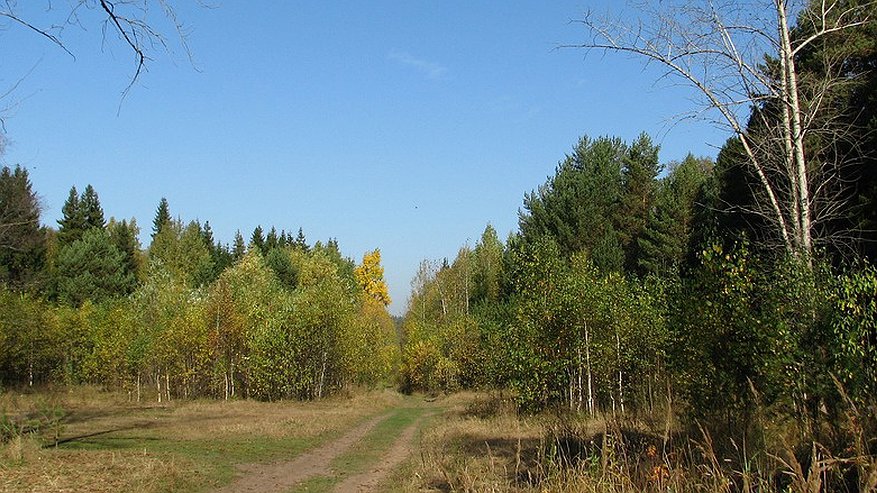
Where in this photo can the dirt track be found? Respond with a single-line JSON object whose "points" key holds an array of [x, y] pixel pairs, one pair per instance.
{"points": [[284, 476], [369, 480]]}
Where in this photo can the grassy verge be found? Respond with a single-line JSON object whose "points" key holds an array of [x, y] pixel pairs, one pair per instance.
{"points": [[105, 443]]}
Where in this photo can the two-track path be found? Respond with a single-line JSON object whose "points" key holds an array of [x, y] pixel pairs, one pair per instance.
{"points": [[286, 475]]}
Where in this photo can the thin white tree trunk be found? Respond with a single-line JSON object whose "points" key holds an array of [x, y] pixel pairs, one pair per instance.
{"points": [[803, 189], [789, 147], [30, 365], [590, 377], [579, 386], [570, 388], [618, 354], [322, 377], [231, 375]]}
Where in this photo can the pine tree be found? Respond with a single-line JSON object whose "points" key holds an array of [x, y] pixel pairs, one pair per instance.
{"points": [[92, 213], [92, 268], [577, 205], [162, 217], [639, 178], [666, 239]]}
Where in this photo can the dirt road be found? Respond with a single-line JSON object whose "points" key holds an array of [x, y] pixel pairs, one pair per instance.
{"points": [[318, 462]]}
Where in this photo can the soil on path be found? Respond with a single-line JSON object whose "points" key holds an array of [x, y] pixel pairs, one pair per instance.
{"points": [[282, 476], [368, 480]]}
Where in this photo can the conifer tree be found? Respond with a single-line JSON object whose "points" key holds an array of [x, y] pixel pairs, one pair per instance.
{"points": [[240, 248], [72, 223], [92, 212], [666, 237], [162, 217], [300, 242], [207, 235], [258, 239], [22, 241], [124, 237], [271, 241], [577, 206], [92, 268], [281, 239], [639, 177]]}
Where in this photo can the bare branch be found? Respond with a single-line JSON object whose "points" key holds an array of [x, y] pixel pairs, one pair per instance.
{"points": [[42, 32], [740, 58]]}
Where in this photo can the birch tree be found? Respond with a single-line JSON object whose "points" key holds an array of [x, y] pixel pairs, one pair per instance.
{"points": [[740, 57]]}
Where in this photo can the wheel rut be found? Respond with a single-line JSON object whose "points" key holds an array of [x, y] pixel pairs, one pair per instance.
{"points": [[282, 476], [368, 480]]}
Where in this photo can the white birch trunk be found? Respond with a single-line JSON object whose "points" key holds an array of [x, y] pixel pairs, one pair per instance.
{"points": [[590, 377], [618, 354], [800, 178]]}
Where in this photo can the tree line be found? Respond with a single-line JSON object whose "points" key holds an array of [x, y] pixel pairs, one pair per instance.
{"points": [[276, 318], [632, 285]]}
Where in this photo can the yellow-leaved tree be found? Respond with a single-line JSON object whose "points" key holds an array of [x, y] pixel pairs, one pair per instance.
{"points": [[370, 276]]}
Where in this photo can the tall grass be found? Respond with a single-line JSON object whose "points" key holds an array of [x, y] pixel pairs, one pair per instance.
{"points": [[474, 451]]}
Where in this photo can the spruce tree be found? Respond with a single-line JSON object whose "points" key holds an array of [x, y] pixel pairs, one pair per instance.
{"points": [[240, 248], [282, 239], [666, 240], [22, 240], [92, 213], [300, 242], [72, 223], [207, 235], [162, 217], [258, 239], [124, 237], [271, 241]]}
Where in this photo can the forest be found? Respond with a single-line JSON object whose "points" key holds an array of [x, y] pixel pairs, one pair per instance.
{"points": [[189, 317], [729, 302]]}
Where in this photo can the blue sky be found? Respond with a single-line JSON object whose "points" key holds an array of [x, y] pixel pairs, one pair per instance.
{"points": [[405, 125]]}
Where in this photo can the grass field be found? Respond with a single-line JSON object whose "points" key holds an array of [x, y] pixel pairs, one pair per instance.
{"points": [[86, 440], [106, 443]]}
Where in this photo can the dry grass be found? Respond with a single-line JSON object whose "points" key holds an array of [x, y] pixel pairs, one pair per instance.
{"points": [[482, 445], [107, 443], [478, 444]]}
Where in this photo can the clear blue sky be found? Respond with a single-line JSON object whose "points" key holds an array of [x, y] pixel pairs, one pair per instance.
{"points": [[404, 125]]}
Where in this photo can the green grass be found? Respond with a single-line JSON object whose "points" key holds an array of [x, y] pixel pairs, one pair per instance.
{"points": [[110, 444], [214, 459]]}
